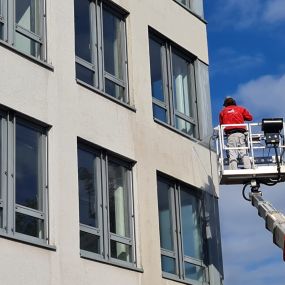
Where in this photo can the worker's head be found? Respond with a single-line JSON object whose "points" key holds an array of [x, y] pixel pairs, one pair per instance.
{"points": [[229, 101]]}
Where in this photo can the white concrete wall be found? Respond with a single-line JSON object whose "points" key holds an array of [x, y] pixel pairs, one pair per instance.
{"points": [[54, 97]]}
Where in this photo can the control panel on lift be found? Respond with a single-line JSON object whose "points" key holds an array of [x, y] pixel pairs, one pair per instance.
{"points": [[265, 147]]}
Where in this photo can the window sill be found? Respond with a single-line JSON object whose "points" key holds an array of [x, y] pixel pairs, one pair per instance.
{"points": [[116, 264], [105, 95], [29, 57], [191, 282], [29, 242], [193, 13], [197, 141]]}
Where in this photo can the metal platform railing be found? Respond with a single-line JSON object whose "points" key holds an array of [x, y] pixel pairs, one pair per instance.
{"points": [[262, 156]]}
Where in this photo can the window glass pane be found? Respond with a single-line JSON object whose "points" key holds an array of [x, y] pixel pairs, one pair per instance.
{"points": [[184, 126], [165, 215], [159, 113], [121, 251], [156, 70], [181, 85], [28, 14], [1, 31], [113, 44], [87, 188], [194, 272], [1, 217], [168, 264], [115, 90], [84, 74], [29, 225], [191, 224], [27, 45], [82, 29], [197, 7], [184, 2], [118, 199], [29, 186], [89, 242]]}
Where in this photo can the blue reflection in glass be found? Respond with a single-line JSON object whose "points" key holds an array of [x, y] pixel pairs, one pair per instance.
{"points": [[194, 272], [87, 188], [165, 215], [82, 29], [155, 68], [159, 113], [168, 264], [84, 74], [28, 165]]}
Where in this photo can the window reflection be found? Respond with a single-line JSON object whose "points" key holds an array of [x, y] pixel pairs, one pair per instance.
{"points": [[28, 14], [28, 167], [87, 188], [113, 49], [82, 29], [118, 199]]}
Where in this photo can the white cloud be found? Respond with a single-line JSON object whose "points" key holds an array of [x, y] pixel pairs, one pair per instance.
{"points": [[274, 11], [242, 14], [264, 96]]}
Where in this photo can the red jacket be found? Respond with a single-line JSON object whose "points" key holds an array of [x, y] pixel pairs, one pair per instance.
{"points": [[234, 115]]}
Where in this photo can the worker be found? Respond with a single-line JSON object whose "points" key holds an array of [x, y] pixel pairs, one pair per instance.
{"points": [[233, 114]]}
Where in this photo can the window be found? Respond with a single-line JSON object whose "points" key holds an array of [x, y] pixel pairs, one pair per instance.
{"points": [[105, 206], [22, 25], [195, 6], [173, 86], [100, 47], [23, 193], [181, 232]]}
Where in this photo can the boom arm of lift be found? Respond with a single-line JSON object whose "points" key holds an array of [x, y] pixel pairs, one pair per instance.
{"points": [[274, 220]]}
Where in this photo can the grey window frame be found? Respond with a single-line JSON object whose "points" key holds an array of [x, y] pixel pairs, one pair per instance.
{"points": [[9, 119], [167, 49], [103, 231], [189, 6], [8, 19], [176, 231], [96, 66]]}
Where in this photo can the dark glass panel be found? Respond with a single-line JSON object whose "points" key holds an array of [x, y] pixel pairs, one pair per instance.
{"points": [[168, 264], [115, 90], [29, 225], [87, 188], [191, 216], [84, 74], [165, 215], [28, 14], [29, 186], [82, 29], [89, 242], [159, 113], [156, 70], [121, 251], [1, 217], [113, 45], [118, 199], [194, 272], [1, 31]]}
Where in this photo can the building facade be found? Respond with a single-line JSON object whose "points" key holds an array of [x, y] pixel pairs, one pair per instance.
{"points": [[105, 123]]}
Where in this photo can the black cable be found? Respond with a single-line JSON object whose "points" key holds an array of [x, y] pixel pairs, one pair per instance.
{"points": [[243, 191]]}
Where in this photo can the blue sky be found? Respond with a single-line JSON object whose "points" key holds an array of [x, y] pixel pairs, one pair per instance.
{"points": [[247, 61]]}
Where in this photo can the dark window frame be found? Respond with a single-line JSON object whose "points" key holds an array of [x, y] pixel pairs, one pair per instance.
{"points": [[103, 157], [11, 28], [168, 48], [177, 253], [96, 64], [9, 119]]}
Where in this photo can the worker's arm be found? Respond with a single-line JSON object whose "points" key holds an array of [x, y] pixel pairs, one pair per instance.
{"points": [[246, 115]]}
